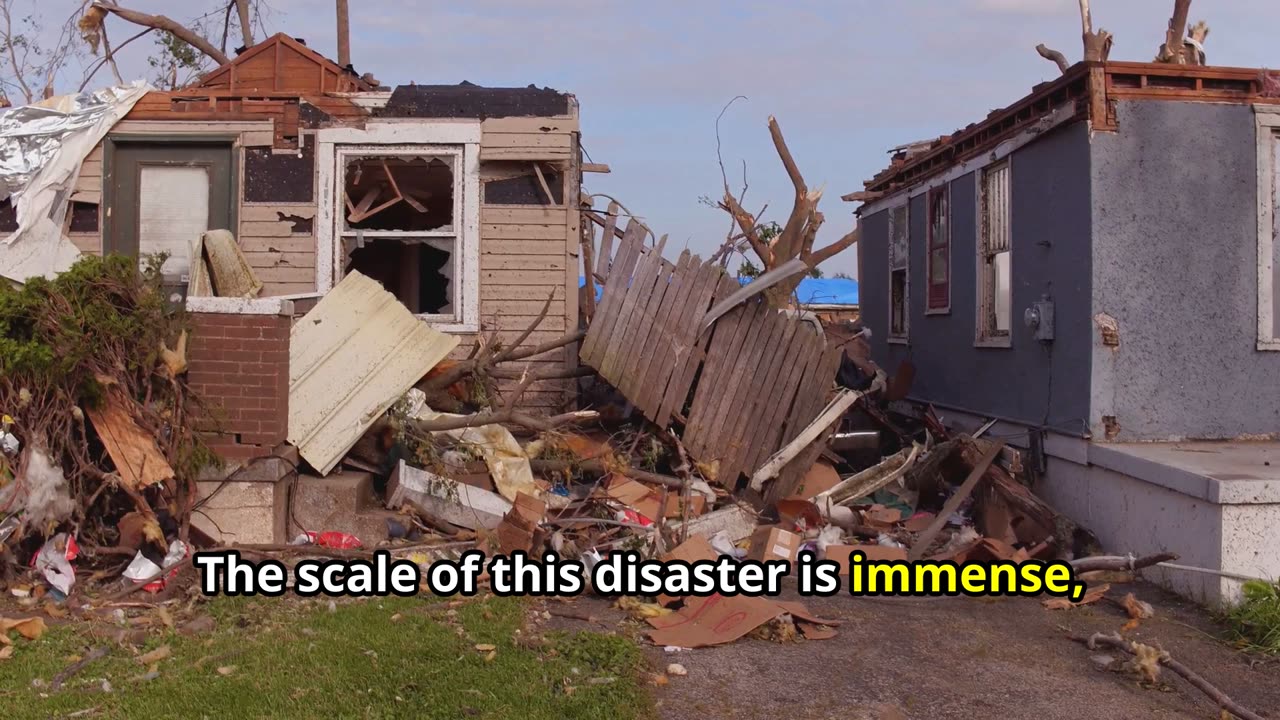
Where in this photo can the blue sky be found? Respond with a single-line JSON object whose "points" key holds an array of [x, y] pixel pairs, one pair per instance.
{"points": [[847, 79]]}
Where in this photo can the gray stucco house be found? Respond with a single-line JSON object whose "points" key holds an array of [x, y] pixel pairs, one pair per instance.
{"points": [[1096, 267]]}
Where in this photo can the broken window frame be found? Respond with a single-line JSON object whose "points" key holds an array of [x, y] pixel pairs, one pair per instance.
{"points": [[995, 238], [428, 138], [899, 258], [1268, 138], [938, 292]]}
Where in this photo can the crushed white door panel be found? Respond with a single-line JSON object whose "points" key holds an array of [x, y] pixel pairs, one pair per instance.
{"points": [[350, 358]]}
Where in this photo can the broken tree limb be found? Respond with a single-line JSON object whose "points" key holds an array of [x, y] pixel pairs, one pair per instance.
{"points": [[1116, 562], [1097, 45], [953, 503], [160, 22], [1056, 57], [506, 416], [833, 412], [66, 673], [1174, 48], [786, 271], [1223, 700], [598, 467], [246, 26]]}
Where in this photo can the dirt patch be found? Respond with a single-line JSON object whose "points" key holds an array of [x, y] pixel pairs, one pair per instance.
{"points": [[938, 659]]}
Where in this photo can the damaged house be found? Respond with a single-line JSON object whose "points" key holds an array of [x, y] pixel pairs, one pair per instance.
{"points": [[1094, 269], [460, 200]]}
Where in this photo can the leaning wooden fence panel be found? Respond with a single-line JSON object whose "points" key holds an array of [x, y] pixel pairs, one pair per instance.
{"points": [[762, 374]]}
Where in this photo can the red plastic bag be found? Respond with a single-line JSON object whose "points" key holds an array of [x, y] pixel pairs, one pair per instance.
{"points": [[336, 540]]}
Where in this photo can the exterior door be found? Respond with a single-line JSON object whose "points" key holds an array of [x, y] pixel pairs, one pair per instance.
{"points": [[161, 196]]}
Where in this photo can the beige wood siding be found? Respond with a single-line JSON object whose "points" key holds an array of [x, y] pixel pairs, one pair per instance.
{"points": [[284, 260]]}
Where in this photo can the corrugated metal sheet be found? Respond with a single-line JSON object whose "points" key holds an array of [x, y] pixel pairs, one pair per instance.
{"points": [[350, 358]]}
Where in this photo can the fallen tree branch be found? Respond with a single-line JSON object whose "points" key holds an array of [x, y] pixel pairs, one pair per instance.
{"points": [[66, 673], [160, 22], [506, 416], [138, 585], [598, 467], [1222, 699], [1058, 58], [1116, 562]]}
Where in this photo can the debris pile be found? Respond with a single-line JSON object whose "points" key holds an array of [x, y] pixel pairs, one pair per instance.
{"points": [[99, 453]]}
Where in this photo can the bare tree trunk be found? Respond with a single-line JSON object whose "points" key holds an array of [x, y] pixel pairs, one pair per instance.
{"points": [[246, 25], [1174, 49], [344, 34], [160, 22], [1097, 45]]}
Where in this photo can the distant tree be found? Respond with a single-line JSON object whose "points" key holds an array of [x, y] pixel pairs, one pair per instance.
{"points": [[842, 276], [28, 66]]}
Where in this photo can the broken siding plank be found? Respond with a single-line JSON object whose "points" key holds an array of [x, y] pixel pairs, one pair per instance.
{"points": [[291, 244], [270, 212], [605, 255], [91, 168], [495, 292], [259, 229], [88, 243], [525, 140], [523, 231], [286, 274], [546, 154], [544, 278], [558, 124], [268, 258], [521, 308]]}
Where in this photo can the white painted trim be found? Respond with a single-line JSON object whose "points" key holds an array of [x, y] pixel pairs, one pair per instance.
{"points": [[1268, 134], [1060, 116], [190, 127], [458, 132], [375, 99], [240, 306], [459, 138]]}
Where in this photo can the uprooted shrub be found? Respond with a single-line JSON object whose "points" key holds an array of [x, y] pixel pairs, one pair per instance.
{"points": [[102, 322]]}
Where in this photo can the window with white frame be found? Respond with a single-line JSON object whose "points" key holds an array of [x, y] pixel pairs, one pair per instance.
{"points": [[899, 281], [398, 222], [1268, 125], [995, 257]]}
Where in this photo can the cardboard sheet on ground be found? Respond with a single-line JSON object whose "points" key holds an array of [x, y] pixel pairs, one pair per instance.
{"points": [[713, 620], [505, 458]]}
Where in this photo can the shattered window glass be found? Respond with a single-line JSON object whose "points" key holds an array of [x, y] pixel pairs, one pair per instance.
{"points": [[398, 224]]}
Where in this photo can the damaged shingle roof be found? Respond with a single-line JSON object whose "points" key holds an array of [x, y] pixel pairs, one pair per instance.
{"points": [[467, 100]]}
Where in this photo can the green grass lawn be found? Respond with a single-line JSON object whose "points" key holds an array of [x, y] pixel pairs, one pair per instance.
{"points": [[290, 659]]}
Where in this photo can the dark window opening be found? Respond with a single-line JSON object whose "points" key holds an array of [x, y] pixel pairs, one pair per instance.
{"points": [[395, 193], [898, 303], [8, 216], [420, 275], [84, 217]]}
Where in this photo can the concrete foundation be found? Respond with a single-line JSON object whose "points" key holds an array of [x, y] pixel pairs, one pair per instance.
{"points": [[342, 502], [1217, 505]]}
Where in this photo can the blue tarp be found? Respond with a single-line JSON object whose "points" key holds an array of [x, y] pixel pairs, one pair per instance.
{"points": [[812, 291]]}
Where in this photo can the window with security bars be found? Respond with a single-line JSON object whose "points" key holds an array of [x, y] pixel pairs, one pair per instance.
{"points": [[995, 257], [939, 258], [899, 286]]}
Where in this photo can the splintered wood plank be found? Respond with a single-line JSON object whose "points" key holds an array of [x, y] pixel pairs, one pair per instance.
{"points": [[740, 423], [802, 353], [133, 451], [619, 345], [611, 298], [720, 435], [643, 322], [656, 372], [606, 241], [705, 422], [717, 348], [652, 333], [811, 397], [764, 396], [690, 346]]}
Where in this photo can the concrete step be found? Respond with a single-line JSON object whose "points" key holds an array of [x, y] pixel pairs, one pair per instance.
{"points": [[343, 502]]}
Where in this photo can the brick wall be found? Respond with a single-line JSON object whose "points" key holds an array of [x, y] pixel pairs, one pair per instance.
{"points": [[239, 368]]}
